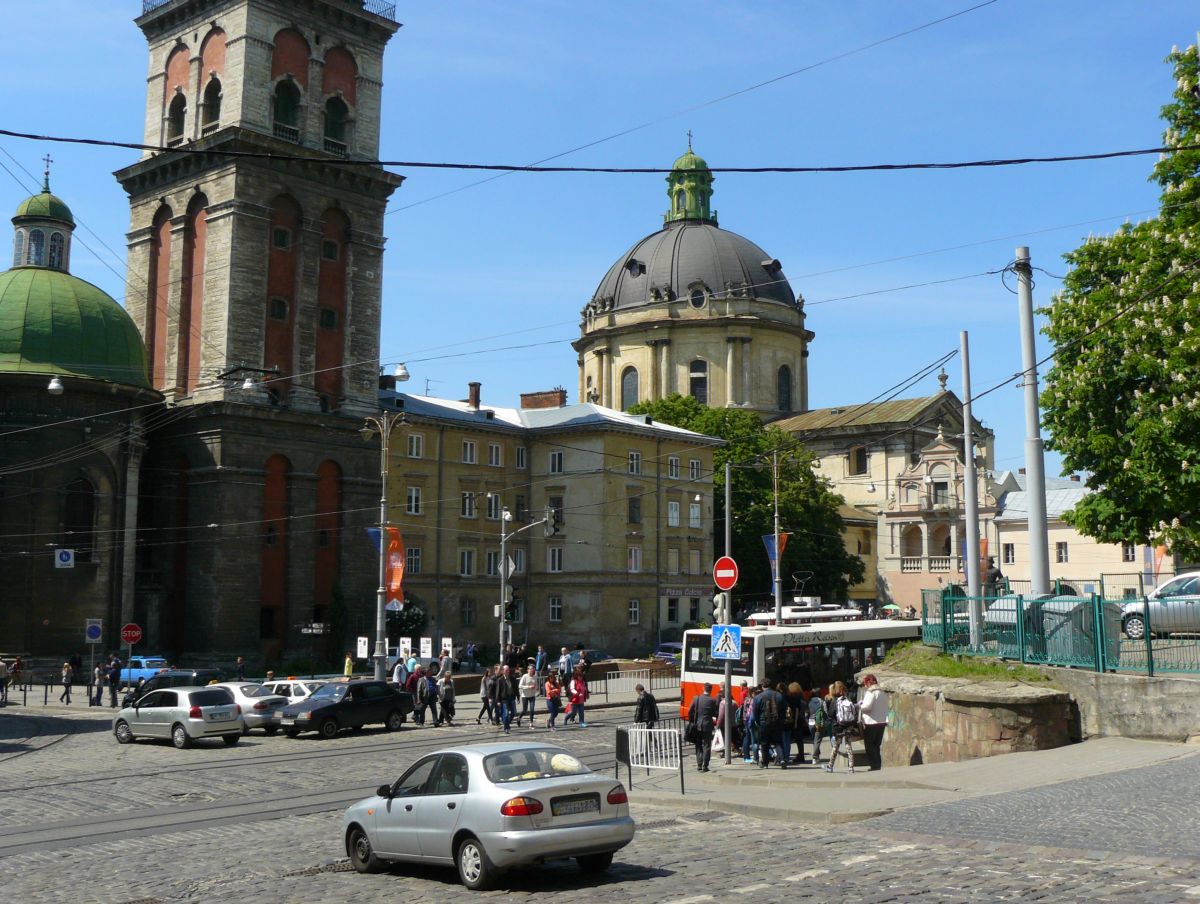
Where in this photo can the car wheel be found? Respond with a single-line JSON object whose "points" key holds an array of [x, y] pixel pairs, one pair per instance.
{"points": [[362, 856], [231, 740], [271, 730], [179, 737], [394, 720], [474, 868], [123, 732], [329, 728], [595, 863], [1135, 627], [292, 733]]}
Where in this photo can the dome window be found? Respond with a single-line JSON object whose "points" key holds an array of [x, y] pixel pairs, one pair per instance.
{"points": [[629, 388], [635, 267], [698, 381], [36, 254], [680, 201], [785, 388], [176, 117], [57, 249], [19, 248], [697, 298]]}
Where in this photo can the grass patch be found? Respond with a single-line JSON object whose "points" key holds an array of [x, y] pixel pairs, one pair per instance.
{"points": [[913, 658]]}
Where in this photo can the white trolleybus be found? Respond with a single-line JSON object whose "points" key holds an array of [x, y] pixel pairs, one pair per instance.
{"points": [[813, 654]]}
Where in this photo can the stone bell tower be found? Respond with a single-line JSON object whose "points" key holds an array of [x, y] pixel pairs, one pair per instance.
{"points": [[255, 278]]}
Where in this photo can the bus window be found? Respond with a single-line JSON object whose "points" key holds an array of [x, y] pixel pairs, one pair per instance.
{"points": [[698, 657]]}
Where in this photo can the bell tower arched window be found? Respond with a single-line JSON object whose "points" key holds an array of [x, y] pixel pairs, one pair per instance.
{"points": [[287, 111], [698, 381], [36, 254], [176, 119], [629, 388], [19, 248], [337, 118], [57, 251], [784, 392], [212, 105]]}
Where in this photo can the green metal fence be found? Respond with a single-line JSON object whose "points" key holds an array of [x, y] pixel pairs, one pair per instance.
{"points": [[1091, 632]]}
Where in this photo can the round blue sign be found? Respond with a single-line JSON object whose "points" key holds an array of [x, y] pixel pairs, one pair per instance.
{"points": [[93, 632]]}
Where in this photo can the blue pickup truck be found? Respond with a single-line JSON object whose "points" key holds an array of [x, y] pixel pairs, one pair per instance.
{"points": [[141, 667]]}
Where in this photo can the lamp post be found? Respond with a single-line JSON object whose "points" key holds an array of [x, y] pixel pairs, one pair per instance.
{"points": [[505, 518], [778, 557], [383, 424]]}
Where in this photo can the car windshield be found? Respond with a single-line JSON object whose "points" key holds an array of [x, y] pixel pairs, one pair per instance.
{"points": [[530, 763], [329, 692], [214, 697], [154, 663]]}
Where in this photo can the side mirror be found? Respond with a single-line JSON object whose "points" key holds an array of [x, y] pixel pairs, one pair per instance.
{"points": [[384, 791]]}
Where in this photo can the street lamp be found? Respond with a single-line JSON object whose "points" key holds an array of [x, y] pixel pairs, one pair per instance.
{"points": [[382, 425]]}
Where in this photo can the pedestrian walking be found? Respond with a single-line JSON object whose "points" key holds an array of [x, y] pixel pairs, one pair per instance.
{"points": [[506, 696], [564, 665], [527, 687], [240, 669], [487, 686], [445, 696], [99, 679], [646, 712], [114, 681], [67, 674], [417, 687], [702, 715], [770, 713], [3, 683], [431, 695], [749, 726], [348, 666], [798, 718], [469, 656], [845, 726], [400, 674], [873, 709], [541, 661], [577, 691], [553, 700], [823, 714]]}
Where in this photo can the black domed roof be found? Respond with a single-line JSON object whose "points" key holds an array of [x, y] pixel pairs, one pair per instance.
{"points": [[689, 253]]}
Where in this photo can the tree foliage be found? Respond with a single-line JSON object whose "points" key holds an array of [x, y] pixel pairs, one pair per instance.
{"points": [[1123, 394], [808, 508]]}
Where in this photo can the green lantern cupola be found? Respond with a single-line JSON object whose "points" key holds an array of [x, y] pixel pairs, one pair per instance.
{"points": [[43, 226], [689, 188]]}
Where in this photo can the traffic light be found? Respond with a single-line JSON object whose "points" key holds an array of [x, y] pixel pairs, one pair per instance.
{"points": [[721, 612], [553, 520], [510, 610]]}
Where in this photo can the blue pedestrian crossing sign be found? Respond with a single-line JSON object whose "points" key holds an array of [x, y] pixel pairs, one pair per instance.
{"points": [[727, 642]]}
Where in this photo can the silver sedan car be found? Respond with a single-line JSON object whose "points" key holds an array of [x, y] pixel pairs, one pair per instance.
{"points": [[181, 715], [487, 808], [260, 707]]}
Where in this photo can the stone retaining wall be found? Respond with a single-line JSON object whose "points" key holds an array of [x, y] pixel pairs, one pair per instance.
{"points": [[935, 720]]}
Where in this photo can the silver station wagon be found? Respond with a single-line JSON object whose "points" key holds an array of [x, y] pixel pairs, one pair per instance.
{"points": [[181, 715], [487, 808]]}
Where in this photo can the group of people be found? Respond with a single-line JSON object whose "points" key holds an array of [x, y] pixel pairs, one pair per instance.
{"points": [[770, 718], [500, 691]]}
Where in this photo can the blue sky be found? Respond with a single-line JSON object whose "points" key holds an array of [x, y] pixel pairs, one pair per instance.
{"points": [[512, 261]]}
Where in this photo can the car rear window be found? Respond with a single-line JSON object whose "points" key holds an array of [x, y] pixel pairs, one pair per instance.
{"points": [[534, 762], [212, 697]]}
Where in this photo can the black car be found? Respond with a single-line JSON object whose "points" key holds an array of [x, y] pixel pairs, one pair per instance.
{"points": [[347, 704], [171, 678]]}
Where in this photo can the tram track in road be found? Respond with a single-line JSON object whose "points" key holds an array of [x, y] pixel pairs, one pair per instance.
{"points": [[48, 728]]}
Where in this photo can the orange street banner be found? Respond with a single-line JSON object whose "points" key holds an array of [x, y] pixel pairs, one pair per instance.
{"points": [[394, 577]]}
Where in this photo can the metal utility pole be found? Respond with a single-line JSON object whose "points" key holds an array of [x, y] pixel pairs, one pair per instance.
{"points": [[1035, 468], [505, 518], [383, 425], [778, 557], [727, 617], [970, 498]]}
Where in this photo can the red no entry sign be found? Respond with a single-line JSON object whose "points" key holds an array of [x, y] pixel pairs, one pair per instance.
{"points": [[725, 573], [131, 634]]}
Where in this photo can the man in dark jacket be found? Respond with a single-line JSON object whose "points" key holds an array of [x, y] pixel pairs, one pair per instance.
{"points": [[506, 696], [770, 712], [647, 707], [702, 716]]}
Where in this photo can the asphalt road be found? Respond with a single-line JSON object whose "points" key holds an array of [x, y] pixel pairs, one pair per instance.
{"points": [[87, 820]]}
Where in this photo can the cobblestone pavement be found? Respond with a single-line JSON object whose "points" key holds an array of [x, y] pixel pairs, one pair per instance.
{"points": [[1014, 846]]}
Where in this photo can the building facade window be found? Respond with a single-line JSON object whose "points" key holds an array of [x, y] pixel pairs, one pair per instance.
{"points": [[555, 504], [493, 506], [327, 319], [1128, 552], [673, 609], [694, 609], [287, 111], [672, 561], [412, 502], [412, 560], [466, 563], [55, 261], [556, 609], [634, 559], [493, 563], [941, 492], [520, 509], [176, 119], [698, 381], [1010, 553], [521, 457], [629, 388], [635, 612], [495, 455], [519, 560], [783, 391], [554, 559], [278, 309], [468, 451], [635, 510], [673, 467], [556, 462], [1061, 553], [694, 469], [36, 253], [693, 514], [635, 462], [330, 250], [858, 461], [468, 505], [672, 514], [466, 611], [694, 561], [416, 445]]}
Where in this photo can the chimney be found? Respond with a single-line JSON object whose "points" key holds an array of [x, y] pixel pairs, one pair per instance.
{"points": [[551, 398], [1075, 478], [473, 395], [1020, 470]]}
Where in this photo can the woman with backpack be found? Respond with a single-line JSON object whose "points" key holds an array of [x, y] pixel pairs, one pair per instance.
{"points": [[845, 727], [445, 696], [823, 713]]}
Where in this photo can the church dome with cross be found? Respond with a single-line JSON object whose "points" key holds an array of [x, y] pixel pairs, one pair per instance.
{"points": [[695, 309]]}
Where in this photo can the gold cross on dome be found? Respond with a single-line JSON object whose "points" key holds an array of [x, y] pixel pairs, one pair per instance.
{"points": [[46, 176]]}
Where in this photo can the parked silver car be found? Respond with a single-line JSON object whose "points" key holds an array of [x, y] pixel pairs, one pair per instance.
{"points": [[1171, 608], [488, 808], [295, 689], [260, 707], [181, 714]]}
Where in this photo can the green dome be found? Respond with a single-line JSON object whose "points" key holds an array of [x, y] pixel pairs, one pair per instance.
{"points": [[690, 161], [54, 323], [47, 206]]}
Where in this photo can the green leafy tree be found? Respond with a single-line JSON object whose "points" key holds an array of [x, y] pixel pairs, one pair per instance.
{"points": [[808, 508], [1122, 399], [409, 621]]}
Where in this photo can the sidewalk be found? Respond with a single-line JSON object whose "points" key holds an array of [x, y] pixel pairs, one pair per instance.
{"points": [[806, 794]]}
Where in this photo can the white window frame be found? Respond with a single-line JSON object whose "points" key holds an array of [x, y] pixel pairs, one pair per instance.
{"points": [[492, 568], [416, 445], [633, 559], [519, 559], [635, 612], [494, 506], [673, 467], [556, 462], [412, 560], [694, 514], [1128, 552], [555, 604], [672, 560], [1008, 553], [1062, 552], [672, 513], [521, 457], [468, 509], [693, 469], [554, 559], [412, 501], [466, 563], [694, 562], [495, 455], [672, 610], [468, 452], [635, 462]]}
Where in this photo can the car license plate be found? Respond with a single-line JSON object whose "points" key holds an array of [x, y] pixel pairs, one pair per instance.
{"points": [[287, 721], [220, 717], [569, 806]]}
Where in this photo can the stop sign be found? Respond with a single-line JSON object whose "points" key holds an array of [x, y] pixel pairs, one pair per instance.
{"points": [[131, 633], [725, 573]]}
